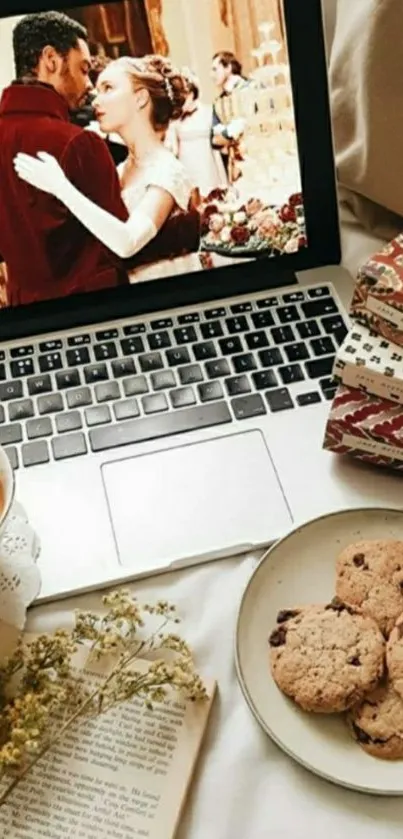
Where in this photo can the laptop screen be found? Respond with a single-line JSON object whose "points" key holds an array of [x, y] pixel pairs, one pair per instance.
{"points": [[143, 141]]}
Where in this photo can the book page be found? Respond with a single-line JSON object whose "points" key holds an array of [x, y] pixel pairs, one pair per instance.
{"points": [[122, 775]]}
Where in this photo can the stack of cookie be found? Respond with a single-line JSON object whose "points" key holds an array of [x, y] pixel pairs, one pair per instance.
{"points": [[347, 656], [366, 416]]}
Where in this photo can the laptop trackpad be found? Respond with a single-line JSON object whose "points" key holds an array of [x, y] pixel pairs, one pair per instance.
{"points": [[194, 500]]}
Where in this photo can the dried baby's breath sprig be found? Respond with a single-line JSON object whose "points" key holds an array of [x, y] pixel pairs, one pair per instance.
{"points": [[42, 693]]}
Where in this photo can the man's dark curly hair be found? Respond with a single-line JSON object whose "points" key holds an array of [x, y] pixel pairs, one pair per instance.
{"points": [[34, 32]]}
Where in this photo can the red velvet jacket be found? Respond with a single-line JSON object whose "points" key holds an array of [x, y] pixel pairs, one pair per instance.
{"points": [[48, 253]]}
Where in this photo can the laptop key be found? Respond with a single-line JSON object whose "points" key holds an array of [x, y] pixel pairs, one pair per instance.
{"points": [[296, 352], [310, 398], [10, 434], [271, 358], [185, 335], [244, 363], [323, 346], [71, 445], [334, 325], [132, 346], [106, 335], [287, 314], [265, 379], [21, 352], [107, 391], [162, 323], [291, 373], [182, 396], [279, 400], [246, 407], [236, 385], [96, 373], [204, 351], [231, 346], [151, 361], [159, 340], [155, 403], [135, 386], [2, 355], [134, 329], [39, 384], [12, 455], [213, 314], [282, 335], [320, 367], [155, 427], [34, 454], [78, 340], [11, 390], [24, 367], [162, 381], [239, 308], [39, 428], [126, 409], [50, 361], [79, 398], [328, 387], [210, 391], [105, 351], [237, 324], [97, 415], [178, 356], [189, 317], [322, 306], [217, 369], [266, 302], [50, 404], [2, 414], [70, 421], [308, 329], [2, 372], [294, 297], [190, 375], [257, 340], [50, 346], [123, 367], [67, 378], [21, 410], [211, 329], [320, 291], [80, 355], [262, 320]]}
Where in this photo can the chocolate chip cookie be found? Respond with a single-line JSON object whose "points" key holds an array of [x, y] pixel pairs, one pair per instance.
{"points": [[377, 723], [394, 656], [326, 658], [369, 574]]}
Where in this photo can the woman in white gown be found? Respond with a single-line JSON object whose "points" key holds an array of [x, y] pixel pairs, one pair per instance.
{"points": [[189, 138], [137, 99]]}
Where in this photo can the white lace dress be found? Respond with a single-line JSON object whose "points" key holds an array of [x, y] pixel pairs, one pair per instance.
{"points": [[164, 170]]}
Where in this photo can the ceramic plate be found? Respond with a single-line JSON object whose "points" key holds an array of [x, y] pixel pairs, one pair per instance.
{"points": [[296, 570]]}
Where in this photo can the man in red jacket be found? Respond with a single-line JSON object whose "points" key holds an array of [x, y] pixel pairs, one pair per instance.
{"points": [[48, 253]]}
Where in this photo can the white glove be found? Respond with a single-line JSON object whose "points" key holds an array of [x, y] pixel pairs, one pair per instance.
{"points": [[124, 238], [42, 171], [235, 128]]}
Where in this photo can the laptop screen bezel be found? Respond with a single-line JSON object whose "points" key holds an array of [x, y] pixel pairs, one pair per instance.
{"points": [[304, 29]]}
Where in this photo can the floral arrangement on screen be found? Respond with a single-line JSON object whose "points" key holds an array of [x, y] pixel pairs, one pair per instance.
{"points": [[227, 225], [42, 694]]}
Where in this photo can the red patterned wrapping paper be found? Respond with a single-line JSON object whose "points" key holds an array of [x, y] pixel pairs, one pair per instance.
{"points": [[378, 297], [366, 427]]}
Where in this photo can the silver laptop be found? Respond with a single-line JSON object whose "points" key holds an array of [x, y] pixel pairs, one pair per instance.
{"points": [[179, 418]]}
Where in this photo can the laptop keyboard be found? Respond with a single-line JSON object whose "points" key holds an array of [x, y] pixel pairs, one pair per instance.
{"points": [[140, 381]]}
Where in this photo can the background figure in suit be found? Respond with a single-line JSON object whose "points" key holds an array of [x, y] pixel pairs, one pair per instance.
{"points": [[227, 129]]}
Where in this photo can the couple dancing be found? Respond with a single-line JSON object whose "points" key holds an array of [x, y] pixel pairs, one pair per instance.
{"points": [[136, 98]]}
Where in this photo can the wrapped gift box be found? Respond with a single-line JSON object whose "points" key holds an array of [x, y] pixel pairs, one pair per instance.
{"points": [[378, 297], [370, 363], [366, 427]]}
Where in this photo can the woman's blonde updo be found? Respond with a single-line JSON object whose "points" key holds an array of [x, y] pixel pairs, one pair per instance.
{"points": [[166, 86]]}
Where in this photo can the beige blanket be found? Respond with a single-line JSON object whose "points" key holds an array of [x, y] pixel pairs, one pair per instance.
{"points": [[366, 82]]}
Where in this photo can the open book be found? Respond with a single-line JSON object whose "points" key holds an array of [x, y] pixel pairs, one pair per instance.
{"points": [[122, 775]]}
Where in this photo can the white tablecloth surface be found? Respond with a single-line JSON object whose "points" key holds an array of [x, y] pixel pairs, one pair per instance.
{"points": [[244, 786]]}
